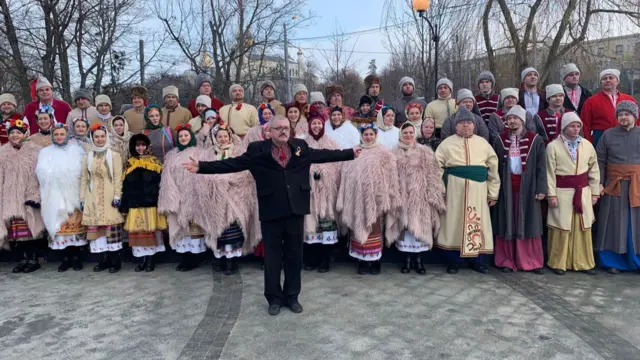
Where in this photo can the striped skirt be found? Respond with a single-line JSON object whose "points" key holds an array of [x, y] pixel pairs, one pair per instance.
{"points": [[371, 249], [230, 243], [18, 230]]}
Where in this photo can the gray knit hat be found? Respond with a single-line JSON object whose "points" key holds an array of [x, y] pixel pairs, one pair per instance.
{"points": [[234, 86], [567, 69], [8, 98], [506, 92], [519, 112], [265, 84], [486, 75], [201, 79], [82, 94], [628, 106], [445, 81], [553, 89], [463, 115], [524, 73], [465, 94], [406, 80], [614, 72], [317, 96], [298, 88]]}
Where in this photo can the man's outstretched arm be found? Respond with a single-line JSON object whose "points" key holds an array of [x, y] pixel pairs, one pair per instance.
{"points": [[232, 165], [319, 156]]}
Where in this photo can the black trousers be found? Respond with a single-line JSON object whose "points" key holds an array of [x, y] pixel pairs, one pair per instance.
{"points": [[283, 240]]}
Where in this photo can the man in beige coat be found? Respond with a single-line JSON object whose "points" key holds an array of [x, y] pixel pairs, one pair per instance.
{"points": [[135, 116], [239, 115], [173, 114]]}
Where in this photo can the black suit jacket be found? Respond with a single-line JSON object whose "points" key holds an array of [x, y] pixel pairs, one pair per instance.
{"points": [[584, 95], [282, 191]]}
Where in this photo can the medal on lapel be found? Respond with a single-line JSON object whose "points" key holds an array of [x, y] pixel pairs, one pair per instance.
{"points": [[298, 150]]}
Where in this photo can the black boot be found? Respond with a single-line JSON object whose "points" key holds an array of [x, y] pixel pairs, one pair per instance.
{"points": [[453, 268], [229, 266], [65, 264], [325, 263], [104, 263], [375, 267], [143, 265], [363, 267], [419, 265], [190, 262], [310, 255], [32, 262], [479, 267], [76, 261], [115, 262], [151, 263], [406, 267], [183, 262], [20, 267]]}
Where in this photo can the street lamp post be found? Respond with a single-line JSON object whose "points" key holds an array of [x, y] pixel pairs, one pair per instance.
{"points": [[421, 6]]}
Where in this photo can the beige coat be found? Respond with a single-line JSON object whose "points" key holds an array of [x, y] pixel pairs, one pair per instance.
{"points": [[175, 117], [240, 120], [90, 113], [439, 110], [97, 200], [135, 120], [559, 162], [278, 107], [107, 123]]}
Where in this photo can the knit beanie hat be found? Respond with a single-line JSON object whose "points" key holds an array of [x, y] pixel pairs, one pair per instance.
{"points": [[614, 72], [170, 90], [519, 112], [524, 73], [486, 75], [42, 82], [406, 80], [201, 79], [445, 81], [506, 92], [317, 96], [82, 94], [465, 94], [567, 69], [568, 118], [232, 87], [553, 89], [365, 99], [8, 98], [628, 106], [103, 99], [265, 84], [296, 88], [463, 115], [204, 100]]}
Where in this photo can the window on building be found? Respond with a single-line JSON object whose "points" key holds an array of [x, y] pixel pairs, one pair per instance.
{"points": [[619, 50], [600, 51]]}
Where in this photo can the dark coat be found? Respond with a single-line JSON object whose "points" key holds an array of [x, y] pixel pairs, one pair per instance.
{"points": [[282, 192], [449, 127], [584, 95], [140, 188], [534, 181]]}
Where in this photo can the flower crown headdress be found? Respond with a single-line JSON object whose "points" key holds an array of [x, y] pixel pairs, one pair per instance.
{"points": [[181, 127], [366, 126]]}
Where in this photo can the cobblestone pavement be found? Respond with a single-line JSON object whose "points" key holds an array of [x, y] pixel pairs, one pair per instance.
{"points": [[171, 315]]}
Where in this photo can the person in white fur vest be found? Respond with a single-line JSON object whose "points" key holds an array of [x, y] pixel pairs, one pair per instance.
{"points": [[321, 227], [340, 130], [368, 191], [388, 134], [417, 222]]}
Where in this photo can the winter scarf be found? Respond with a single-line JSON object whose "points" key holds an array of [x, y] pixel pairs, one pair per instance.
{"points": [[148, 125], [380, 119], [191, 143]]}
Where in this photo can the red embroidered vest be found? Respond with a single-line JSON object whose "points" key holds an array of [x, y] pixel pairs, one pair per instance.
{"points": [[487, 106], [524, 143], [551, 123]]}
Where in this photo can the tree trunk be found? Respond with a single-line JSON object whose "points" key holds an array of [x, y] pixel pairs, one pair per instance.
{"points": [[12, 38]]}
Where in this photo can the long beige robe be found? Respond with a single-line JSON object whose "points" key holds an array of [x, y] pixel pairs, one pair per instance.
{"points": [[466, 225], [559, 162], [240, 120]]}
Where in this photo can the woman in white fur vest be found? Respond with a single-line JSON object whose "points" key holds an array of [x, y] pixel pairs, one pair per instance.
{"points": [[414, 226], [336, 128], [368, 191], [388, 134], [321, 227]]}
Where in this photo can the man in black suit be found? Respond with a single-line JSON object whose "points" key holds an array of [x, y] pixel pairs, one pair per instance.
{"points": [[280, 167]]}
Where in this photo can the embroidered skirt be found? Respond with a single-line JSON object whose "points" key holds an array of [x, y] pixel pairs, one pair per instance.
{"points": [[409, 244], [371, 249], [104, 238], [18, 230], [230, 243], [142, 223], [149, 250], [71, 233], [326, 233]]}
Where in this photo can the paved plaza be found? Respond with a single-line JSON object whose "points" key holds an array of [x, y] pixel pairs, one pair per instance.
{"points": [[206, 315]]}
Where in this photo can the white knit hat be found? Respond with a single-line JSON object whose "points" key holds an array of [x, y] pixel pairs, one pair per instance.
{"points": [[42, 82], [103, 99], [317, 96], [465, 94], [567, 69], [445, 81], [614, 72], [204, 100], [8, 98], [296, 88], [234, 86], [519, 112], [553, 89], [170, 90], [506, 92], [568, 118], [524, 72]]}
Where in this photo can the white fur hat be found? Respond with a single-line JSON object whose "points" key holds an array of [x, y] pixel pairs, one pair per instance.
{"points": [[553, 89], [568, 118], [519, 112], [614, 72]]}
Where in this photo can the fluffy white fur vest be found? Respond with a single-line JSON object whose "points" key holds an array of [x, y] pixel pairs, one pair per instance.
{"points": [[18, 183], [421, 195], [368, 190], [324, 192], [59, 170]]}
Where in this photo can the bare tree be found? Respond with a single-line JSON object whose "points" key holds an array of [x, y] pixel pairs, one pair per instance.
{"points": [[338, 56]]}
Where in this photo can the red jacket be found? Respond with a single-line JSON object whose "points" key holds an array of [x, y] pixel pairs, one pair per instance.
{"points": [[598, 113], [216, 104], [60, 112]]}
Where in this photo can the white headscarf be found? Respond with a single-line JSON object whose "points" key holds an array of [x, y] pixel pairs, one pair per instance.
{"points": [[100, 149]]}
